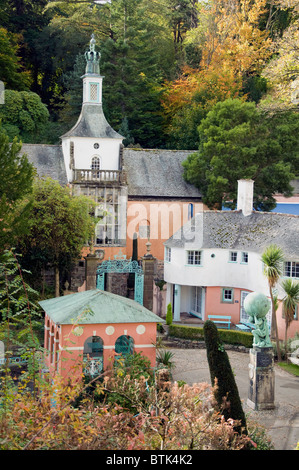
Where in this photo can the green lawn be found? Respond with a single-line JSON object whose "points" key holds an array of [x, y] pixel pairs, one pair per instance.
{"points": [[292, 368]]}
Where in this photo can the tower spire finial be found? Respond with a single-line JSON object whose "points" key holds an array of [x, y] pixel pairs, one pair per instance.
{"points": [[92, 58]]}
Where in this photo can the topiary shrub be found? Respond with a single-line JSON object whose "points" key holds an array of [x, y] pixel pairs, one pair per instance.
{"points": [[169, 315], [226, 393]]}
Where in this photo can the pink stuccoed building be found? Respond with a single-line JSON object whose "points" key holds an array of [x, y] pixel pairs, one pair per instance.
{"points": [[85, 331]]}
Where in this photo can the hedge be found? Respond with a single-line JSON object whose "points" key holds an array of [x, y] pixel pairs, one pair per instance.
{"points": [[226, 336]]}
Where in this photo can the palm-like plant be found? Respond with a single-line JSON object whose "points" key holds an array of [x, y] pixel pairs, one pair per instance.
{"points": [[273, 258], [290, 301]]}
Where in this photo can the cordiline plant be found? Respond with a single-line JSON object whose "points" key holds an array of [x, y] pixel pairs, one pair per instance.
{"points": [[19, 319]]}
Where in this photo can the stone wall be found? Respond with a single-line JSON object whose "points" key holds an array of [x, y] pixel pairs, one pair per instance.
{"points": [[117, 283]]}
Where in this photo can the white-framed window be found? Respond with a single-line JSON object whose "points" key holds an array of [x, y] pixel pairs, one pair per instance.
{"points": [[108, 209], [95, 163], [194, 257], [227, 295], [291, 269], [168, 254], [244, 257], [233, 256]]}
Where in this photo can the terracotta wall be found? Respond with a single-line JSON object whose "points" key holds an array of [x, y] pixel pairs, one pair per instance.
{"points": [[163, 218], [72, 339], [215, 306]]}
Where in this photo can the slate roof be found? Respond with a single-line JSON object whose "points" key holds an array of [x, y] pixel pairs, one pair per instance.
{"points": [[157, 173], [231, 230], [48, 160], [92, 123], [96, 306]]}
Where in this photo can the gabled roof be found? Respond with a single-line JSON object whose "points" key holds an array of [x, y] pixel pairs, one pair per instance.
{"points": [[92, 123], [48, 161], [231, 230], [157, 173], [96, 306]]}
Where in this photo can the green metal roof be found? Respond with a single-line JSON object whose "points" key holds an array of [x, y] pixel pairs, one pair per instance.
{"points": [[96, 306]]}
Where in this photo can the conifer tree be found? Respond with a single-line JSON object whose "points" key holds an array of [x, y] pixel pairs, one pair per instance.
{"points": [[226, 394]]}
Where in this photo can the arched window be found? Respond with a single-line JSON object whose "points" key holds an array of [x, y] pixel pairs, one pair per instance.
{"points": [[57, 349], [72, 158], [93, 356], [190, 211], [95, 163], [52, 345], [48, 337], [124, 345]]}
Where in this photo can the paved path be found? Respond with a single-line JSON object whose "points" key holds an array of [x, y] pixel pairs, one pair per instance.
{"points": [[282, 423]]}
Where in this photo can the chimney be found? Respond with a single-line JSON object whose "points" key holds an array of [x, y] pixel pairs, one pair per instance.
{"points": [[245, 196]]}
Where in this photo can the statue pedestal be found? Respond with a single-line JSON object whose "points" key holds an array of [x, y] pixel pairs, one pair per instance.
{"points": [[261, 379]]}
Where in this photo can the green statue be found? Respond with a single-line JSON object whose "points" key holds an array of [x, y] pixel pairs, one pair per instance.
{"points": [[92, 58], [257, 306]]}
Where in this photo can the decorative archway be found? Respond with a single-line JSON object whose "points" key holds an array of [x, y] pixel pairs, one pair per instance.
{"points": [[122, 265]]}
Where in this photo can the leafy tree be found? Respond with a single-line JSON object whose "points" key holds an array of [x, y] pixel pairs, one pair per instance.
{"points": [[20, 325], [231, 50], [60, 225], [24, 115], [226, 393], [15, 185], [236, 141], [272, 259], [11, 71], [282, 72]]}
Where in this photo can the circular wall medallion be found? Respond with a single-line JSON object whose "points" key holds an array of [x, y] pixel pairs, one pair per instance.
{"points": [[78, 331], [110, 330], [140, 329]]}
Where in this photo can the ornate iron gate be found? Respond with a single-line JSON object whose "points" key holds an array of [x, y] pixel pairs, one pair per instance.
{"points": [[122, 265]]}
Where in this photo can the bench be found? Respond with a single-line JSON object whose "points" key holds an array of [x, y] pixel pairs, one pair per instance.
{"points": [[224, 320], [242, 327], [246, 324]]}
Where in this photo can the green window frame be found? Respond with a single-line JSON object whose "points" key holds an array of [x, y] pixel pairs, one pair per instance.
{"points": [[227, 295]]}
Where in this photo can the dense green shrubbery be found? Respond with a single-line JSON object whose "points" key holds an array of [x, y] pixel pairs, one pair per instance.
{"points": [[196, 333], [169, 315]]}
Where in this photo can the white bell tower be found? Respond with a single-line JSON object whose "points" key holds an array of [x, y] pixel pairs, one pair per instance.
{"points": [[92, 144]]}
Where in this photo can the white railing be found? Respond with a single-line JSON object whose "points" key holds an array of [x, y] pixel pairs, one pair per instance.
{"points": [[97, 175]]}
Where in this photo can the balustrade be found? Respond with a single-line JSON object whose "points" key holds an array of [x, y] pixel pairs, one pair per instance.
{"points": [[111, 176]]}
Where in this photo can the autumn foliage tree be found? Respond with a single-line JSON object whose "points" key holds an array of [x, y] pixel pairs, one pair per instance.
{"points": [[232, 48]]}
